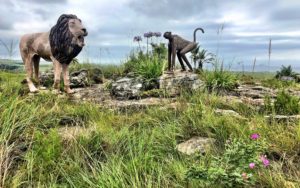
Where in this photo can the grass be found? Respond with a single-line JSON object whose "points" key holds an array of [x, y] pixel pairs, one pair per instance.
{"points": [[128, 149]]}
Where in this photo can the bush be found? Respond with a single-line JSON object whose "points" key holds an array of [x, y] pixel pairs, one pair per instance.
{"points": [[219, 80], [236, 167], [285, 71], [150, 68], [286, 104]]}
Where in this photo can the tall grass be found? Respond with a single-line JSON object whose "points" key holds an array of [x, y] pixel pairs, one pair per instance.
{"points": [[126, 149]]}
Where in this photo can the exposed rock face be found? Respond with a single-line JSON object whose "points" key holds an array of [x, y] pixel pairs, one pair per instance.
{"points": [[196, 144], [255, 92], [79, 79], [127, 88], [173, 83]]}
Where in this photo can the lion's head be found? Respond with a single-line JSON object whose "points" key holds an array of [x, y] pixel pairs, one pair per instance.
{"points": [[67, 38]]}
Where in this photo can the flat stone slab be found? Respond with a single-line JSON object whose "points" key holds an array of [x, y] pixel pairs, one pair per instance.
{"points": [[228, 113], [283, 118], [196, 145]]}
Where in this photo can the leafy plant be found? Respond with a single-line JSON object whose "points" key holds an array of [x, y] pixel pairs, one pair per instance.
{"points": [[285, 71], [159, 50], [150, 68], [286, 104], [202, 56], [236, 167], [219, 80]]}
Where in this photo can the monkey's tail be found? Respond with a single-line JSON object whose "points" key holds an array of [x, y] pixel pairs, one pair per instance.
{"points": [[196, 32]]}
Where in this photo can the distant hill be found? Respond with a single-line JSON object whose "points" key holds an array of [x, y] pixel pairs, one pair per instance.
{"points": [[11, 65]]}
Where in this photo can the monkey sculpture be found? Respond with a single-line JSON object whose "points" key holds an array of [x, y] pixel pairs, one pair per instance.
{"points": [[178, 45]]}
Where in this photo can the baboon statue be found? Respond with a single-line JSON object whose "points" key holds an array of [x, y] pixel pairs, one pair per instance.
{"points": [[178, 45], [60, 45]]}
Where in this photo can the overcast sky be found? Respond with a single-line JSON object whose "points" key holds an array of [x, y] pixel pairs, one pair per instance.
{"points": [[112, 24]]}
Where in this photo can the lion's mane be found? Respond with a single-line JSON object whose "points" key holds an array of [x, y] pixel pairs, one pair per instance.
{"points": [[60, 39]]}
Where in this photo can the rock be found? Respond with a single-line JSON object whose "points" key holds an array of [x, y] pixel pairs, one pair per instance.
{"points": [[227, 113], [127, 88], [79, 79], [287, 78], [254, 92], [173, 83], [47, 78], [97, 76], [136, 104], [283, 118], [196, 144], [71, 133]]}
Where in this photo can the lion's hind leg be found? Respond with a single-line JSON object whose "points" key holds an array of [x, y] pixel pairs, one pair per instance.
{"points": [[36, 64], [28, 61]]}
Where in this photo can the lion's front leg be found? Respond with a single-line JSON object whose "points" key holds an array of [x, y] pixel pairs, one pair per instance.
{"points": [[65, 68], [57, 74]]}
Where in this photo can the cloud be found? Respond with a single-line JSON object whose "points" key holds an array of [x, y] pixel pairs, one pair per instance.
{"points": [[248, 25]]}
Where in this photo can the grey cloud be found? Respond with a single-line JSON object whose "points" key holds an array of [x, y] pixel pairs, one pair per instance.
{"points": [[47, 1], [173, 9]]}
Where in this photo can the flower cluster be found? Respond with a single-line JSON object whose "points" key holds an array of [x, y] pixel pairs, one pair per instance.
{"points": [[263, 158], [152, 34], [137, 39]]}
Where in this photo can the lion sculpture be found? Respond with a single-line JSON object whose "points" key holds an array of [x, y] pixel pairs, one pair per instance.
{"points": [[60, 45]]}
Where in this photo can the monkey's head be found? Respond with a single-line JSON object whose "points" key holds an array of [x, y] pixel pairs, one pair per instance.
{"points": [[168, 35]]}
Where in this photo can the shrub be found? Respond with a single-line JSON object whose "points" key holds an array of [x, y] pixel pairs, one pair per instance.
{"points": [[133, 61], [219, 80], [236, 167], [150, 68], [285, 71], [286, 104]]}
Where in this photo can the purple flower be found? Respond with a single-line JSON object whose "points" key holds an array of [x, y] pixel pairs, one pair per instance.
{"points": [[255, 136], [251, 165], [265, 161], [148, 35], [137, 39], [157, 34]]}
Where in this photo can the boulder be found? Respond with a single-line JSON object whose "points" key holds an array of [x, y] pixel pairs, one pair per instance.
{"points": [[79, 79], [174, 82], [97, 76], [196, 145], [127, 88]]}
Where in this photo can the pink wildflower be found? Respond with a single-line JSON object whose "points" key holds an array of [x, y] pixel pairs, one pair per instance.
{"points": [[264, 160], [251, 165], [255, 136]]}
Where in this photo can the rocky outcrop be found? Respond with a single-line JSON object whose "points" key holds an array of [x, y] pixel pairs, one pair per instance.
{"points": [[196, 145], [174, 82], [254, 92], [127, 88]]}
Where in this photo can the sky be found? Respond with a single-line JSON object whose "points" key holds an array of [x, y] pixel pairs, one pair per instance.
{"points": [[247, 27]]}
